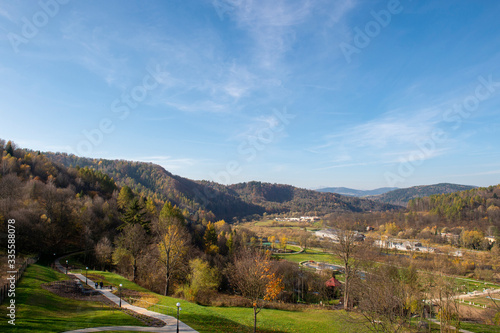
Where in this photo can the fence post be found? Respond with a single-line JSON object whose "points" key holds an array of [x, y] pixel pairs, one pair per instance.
{"points": [[18, 274]]}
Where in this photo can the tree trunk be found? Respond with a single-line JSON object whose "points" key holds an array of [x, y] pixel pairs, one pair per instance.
{"points": [[167, 284], [134, 270], [254, 319], [346, 287]]}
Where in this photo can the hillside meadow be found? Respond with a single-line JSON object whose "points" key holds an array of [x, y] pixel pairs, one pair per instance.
{"points": [[40, 310]]}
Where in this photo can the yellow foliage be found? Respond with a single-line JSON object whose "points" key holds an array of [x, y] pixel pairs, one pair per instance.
{"points": [[273, 287], [219, 224], [272, 240], [391, 228]]}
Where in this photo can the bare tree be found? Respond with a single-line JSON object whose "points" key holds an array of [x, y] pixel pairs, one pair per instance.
{"points": [[387, 297], [104, 251], [304, 238], [346, 249], [494, 309], [131, 243], [442, 293]]}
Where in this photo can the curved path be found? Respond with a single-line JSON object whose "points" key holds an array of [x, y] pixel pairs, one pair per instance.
{"points": [[290, 253], [170, 322]]}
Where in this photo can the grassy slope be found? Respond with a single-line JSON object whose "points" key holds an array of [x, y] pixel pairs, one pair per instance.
{"points": [[311, 254], [233, 319], [38, 310]]}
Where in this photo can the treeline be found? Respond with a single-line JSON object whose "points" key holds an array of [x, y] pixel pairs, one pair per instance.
{"points": [[211, 200], [204, 200], [403, 195], [481, 204], [279, 198], [164, 247], [203, 262], [56, 209]]}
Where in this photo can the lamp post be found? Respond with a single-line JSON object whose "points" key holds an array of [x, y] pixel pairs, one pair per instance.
{"points": [[66, 267], [178, 309], [86, 274], [120, 295]]}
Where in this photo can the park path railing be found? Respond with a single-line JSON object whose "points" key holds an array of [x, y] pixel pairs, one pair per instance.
{"points": [[4, 290]]}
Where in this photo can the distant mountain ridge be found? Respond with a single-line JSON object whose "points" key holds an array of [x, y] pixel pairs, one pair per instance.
{"points": [[401, 196], [356, 193], [211, 200]]}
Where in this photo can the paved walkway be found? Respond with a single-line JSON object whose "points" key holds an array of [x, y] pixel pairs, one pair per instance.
{"points": [[170, 322], [451, 327]]}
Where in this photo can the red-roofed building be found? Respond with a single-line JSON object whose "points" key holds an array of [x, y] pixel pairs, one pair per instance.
{"points": [[333, 282]]}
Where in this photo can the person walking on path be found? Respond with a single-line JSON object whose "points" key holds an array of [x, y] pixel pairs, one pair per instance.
{"points": [[96, 284], [102, 283]]}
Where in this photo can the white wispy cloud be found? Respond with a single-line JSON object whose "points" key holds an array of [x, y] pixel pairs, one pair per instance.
{"points": [[4, 13], [394, 128], [340, 10], [271, 25], [484, 173], [199, 106]]}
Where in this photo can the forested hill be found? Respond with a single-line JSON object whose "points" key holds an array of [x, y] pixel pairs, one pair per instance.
{"points": [[402, 196], [203, 200], [356, 193], [478, 204], [282, 198], [206, 199]]}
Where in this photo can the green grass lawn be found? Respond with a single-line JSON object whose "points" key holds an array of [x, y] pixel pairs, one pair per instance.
{"points": [[236, 319], [41, 311], [233, 319], [310, 255], [471, 285], [480, 328], [38, 310]]}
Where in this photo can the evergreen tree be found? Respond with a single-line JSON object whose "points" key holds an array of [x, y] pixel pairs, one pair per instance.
{"points": [[170, 212], [136, 214], [9, 149], [125, 197], [210, 239]]}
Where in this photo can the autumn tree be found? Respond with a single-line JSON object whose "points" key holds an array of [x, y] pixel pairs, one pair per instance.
{"points": [[272, 240], [441, 291], [130, 245], [230, 244], [104, 251], [283, 242], [125, 197], [471, 239], [210, 239], [252, 275], [387, 297], [203, 280], [304, 238], [346, 249], [173, 242]]}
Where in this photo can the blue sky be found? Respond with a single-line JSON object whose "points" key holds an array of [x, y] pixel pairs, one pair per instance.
{"points": [[361, 94]]}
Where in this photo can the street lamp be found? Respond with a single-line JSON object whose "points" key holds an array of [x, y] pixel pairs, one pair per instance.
{"points": [[120, 295], [86, 275], [178, 309], [66, 267]]}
